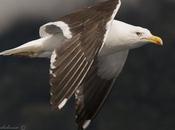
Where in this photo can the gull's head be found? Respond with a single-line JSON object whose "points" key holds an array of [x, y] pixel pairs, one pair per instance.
{"points": [[134, 36], [143, 36]]}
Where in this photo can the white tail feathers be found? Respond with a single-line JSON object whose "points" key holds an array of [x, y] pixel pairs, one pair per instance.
{"points": [[42, 47], [14, 51], [28, 49], [7, 52]]}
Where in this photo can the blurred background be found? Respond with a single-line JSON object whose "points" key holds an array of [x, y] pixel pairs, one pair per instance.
{"points": [[143, 97]]}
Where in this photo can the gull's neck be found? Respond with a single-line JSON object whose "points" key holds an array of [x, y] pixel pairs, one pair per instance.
{"points": [[117, 38]]}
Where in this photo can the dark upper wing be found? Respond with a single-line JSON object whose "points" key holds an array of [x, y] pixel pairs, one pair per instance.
{"points": [[92, 93], [85, 32], [90, 97], [103, 12]]}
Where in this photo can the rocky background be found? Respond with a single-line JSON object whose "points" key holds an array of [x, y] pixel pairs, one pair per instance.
{"points": [[143, 97]]}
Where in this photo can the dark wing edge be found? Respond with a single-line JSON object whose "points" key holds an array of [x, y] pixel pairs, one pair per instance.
{"points": [[90, 97], [93, 92]]}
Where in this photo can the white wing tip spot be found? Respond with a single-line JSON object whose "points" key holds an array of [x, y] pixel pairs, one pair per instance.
{"points": [[86, 124], [51, 94], [62, 104], [53, 59]]}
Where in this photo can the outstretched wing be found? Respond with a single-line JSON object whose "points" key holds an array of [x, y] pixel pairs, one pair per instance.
{"points": [[85, 32], [91, 95]]}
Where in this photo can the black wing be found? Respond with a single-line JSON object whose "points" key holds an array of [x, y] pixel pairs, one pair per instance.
{"points": [[94, 90], [90, 97], [85, 32]]}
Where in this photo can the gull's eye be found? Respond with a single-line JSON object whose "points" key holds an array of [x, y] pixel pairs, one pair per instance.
{"points": [[139, 34]]}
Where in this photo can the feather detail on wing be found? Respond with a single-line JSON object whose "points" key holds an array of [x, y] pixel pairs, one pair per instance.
{"points": [[94, 90], [90, 97], [72, 62], [85, 33], [67, 72]]}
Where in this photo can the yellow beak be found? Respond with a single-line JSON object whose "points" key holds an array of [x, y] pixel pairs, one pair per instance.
{"points": [[155, 40]]}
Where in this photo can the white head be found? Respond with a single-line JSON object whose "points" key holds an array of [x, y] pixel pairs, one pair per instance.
{"points": [[138, 36], [126, 36]]}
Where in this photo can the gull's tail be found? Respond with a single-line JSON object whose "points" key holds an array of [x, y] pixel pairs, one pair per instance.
{"points": [[31, 49]]}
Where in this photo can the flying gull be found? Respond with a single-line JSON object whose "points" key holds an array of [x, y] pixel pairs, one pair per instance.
{"points": [[87, 51]]}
